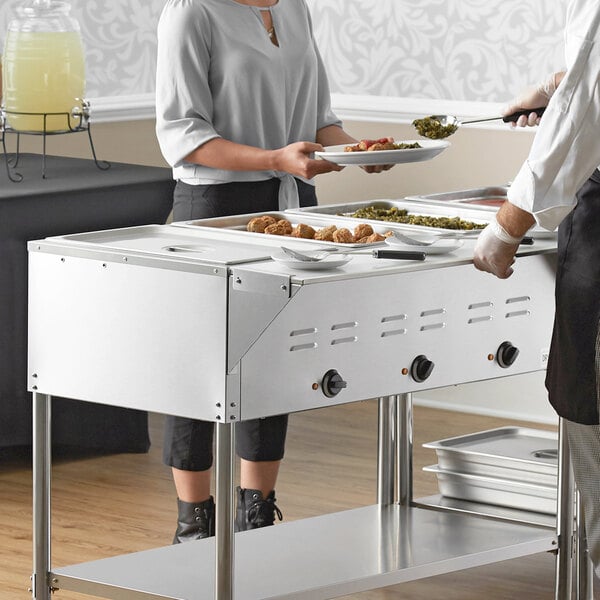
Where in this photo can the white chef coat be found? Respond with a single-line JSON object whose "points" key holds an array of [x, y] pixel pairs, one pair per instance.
{"points": [[219, 75], [566, 148]]}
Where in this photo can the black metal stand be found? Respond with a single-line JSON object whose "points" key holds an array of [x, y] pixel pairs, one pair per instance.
{"points": [[76, 121]]}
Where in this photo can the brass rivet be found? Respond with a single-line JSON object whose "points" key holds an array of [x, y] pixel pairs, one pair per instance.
{"points": [[405, 371]]}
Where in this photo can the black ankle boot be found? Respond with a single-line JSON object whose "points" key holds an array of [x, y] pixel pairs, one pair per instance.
{"points": [[254, 511], [195, 521]]}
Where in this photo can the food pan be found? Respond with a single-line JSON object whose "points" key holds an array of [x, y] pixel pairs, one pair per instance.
{"points": [[235, 226], [515, 453], [487, 198], [414, 207], [496, 491]]}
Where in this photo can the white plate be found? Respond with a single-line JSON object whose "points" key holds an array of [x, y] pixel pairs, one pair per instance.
{"points": [[330, 262], [443, 246], [429, 149]]}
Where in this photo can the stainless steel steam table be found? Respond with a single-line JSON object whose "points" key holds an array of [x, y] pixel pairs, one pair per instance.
{"points": [[370, 329]]}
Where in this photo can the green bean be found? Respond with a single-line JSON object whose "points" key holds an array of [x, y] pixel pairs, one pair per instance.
{"points": [[401, 215], [431, 128]]}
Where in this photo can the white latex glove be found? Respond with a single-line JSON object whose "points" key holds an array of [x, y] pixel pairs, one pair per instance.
{"points": [[533, 97], [495, 250]]}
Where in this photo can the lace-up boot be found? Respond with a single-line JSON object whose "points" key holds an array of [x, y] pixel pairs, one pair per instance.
{"points": [[254, 511], [195, 521]]}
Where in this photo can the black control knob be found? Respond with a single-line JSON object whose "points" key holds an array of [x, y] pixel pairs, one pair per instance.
{"points": [[332, 383], [421, 368], [506, 354]]}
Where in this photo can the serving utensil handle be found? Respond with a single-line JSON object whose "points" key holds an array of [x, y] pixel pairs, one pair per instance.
{"points": [[398, 254], [513, 118]]}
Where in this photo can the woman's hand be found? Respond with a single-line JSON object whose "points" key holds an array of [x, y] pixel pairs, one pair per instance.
{"points": [[376, 168], [333, 135], [296, 159]]}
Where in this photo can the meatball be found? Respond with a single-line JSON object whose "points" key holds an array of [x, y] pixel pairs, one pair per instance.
{"points": [[303, 231], [259, 224], [325, 234], [281, 227], [285, 226], [375, 237], [343, 236], [362, 230]]}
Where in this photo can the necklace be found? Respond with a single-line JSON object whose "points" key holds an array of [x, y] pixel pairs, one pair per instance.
{"points": [[273, 36]]}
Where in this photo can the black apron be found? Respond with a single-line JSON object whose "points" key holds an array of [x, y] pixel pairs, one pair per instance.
{"points": [[573, 366]]}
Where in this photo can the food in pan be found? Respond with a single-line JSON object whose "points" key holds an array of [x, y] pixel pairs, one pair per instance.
{"points": [[431, 128], [380, 144], [303, 231], [401, 215], [281, 227], [363, 232], [373, 238], [343, 236], [325, 234], [259, 224]]}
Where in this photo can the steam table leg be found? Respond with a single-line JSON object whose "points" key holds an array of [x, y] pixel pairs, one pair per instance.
{"points": [[224, 536], [42, 468]]}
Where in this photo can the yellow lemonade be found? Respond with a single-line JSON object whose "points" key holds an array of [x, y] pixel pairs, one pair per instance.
{"points": [[43, 72]]}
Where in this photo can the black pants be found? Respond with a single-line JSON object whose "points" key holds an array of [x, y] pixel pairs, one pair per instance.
{"points": [[188, 443]]}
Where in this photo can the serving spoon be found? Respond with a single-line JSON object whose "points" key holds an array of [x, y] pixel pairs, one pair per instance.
{"points": [[322, 253], [461, 235], [448, 124]]}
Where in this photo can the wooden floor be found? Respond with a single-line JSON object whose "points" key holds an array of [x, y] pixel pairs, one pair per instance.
{"points": [[109, 505]]}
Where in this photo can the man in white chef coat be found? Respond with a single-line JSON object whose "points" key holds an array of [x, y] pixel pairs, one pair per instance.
{"points": [[559, 186]]}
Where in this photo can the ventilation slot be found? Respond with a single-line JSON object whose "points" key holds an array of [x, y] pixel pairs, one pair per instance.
{"points": [[518, 299], [312, 346], [433, 326], [479, 319], [349, 325], [303, 332], [393, 318], [347, 340], [393, 332], [483, 318], [477, 305], [435, 311], [518, 313]]}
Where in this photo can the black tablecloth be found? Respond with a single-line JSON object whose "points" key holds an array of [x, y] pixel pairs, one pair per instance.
{"points": [[76, 196]]}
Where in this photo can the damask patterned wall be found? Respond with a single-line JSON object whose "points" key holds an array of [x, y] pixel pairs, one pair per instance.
{"points": [[466, 50], [473, 50], [120, 43]]}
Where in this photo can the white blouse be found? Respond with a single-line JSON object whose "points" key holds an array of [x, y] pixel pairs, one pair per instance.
{"points": [[219, 75], [566, 148]]}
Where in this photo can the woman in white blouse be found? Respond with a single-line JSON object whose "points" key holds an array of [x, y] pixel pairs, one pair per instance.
{"points": [[242, 102], [559, 186]]}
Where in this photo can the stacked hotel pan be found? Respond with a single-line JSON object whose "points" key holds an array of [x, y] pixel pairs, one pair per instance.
{"points": [[512, 467]]}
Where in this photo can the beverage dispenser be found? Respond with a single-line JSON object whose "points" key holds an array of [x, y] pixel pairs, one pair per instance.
{"points": [[43, 68]]}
